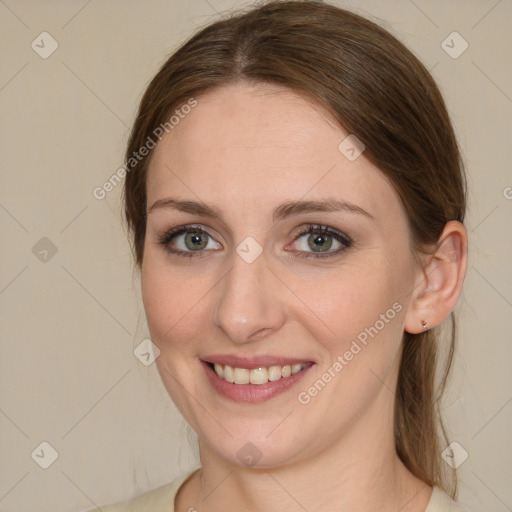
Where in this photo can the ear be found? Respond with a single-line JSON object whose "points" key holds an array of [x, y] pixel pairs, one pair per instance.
{"points": [[442, 277]]}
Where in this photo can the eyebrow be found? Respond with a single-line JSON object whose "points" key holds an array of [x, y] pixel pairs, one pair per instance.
{"points": [[283, 211]]}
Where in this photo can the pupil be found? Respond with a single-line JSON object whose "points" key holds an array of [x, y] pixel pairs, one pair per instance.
{"points": [[319, 242], [195, 241]]}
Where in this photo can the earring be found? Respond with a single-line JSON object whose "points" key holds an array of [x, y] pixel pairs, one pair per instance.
{"points": [[424, 324]]}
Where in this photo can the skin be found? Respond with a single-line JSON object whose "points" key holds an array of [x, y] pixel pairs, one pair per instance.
{"points": [[246, 149]]}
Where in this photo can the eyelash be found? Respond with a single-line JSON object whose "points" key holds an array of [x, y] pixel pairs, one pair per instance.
{"points": [[317, 229]]}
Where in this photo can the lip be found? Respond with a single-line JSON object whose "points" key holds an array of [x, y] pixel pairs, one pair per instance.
{"points": [[253, 393], [252, 362]]}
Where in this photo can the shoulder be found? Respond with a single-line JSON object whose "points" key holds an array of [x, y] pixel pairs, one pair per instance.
{"points": [[160, 499], [441, 502]]}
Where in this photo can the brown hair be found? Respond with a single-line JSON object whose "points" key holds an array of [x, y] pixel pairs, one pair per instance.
{"points": [[375, 88]]}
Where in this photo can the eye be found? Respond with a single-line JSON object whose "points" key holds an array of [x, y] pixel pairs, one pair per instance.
{"points": [[317, 242], [188, 241]]}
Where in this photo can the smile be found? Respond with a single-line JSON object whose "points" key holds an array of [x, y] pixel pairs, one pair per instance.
{"points": [[257, 376], [257, 384]]}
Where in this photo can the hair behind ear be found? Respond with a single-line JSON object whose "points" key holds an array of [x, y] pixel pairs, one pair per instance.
{"points": [[419, 429]]}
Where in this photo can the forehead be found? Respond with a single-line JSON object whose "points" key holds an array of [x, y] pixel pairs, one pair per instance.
{"points": [[261, 144]]}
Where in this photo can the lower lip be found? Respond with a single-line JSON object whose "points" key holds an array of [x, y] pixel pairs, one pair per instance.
{"points": [[253, 393]]}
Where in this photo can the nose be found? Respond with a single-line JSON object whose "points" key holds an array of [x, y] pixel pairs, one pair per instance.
{"points": [[249, 301]]}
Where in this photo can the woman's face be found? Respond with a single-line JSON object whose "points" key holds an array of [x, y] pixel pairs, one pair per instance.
{"points": [[246, 288]]}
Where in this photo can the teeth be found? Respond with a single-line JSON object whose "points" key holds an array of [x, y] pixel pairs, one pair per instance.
{"points": [[257, 376], [241, 376], [219, 369], [274, 373]]}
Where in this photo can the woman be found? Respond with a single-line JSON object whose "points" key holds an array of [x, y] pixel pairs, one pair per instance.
{"points": [[296, 199]]}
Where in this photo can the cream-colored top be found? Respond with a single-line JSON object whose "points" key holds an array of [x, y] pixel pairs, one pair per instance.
{"points": [[161, 499]]}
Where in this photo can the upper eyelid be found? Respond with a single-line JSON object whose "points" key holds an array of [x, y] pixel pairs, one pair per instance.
{"points": [[206, 229], [301, 231], [186, 228]]}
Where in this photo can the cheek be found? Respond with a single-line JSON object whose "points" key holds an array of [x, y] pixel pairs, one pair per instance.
{"points": [[347, 300], [165, 299], [360, 332], [360, 316], [156, 297], [171, 305], [175, 302]]}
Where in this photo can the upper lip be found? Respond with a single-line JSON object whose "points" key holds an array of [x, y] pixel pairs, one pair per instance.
{"points": [[253, 362]]}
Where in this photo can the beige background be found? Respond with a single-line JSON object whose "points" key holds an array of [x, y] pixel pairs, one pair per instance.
{"points": [[70, 322]]}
